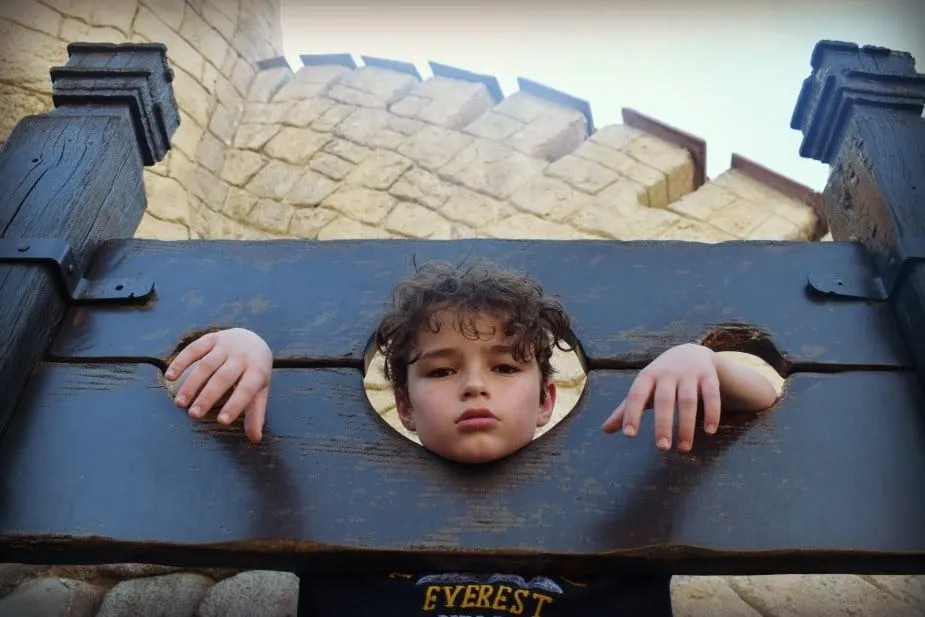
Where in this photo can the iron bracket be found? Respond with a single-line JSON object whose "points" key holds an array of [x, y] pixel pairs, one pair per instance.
{"points": [[909, 251], [57, 253]]}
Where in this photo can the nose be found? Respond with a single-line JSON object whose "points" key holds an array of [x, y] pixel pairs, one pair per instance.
{"points": [[474, 385]]}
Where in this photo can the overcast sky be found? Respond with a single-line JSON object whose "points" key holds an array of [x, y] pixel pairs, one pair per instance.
{"points": [[726, 71]]}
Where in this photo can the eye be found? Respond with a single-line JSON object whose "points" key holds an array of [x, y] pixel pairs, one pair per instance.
{"points": [[440, 372], [507, 369]]}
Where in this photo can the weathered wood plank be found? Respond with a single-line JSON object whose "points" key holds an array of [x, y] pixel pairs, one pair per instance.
{"points": [[75, 173], [861, 112], [320, 301], [99, 465]]}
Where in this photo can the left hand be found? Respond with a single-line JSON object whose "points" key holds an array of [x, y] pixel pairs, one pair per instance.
{"points": [[682, 375]]}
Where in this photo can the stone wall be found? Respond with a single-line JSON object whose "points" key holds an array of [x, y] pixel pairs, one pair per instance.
{"points": [[334, 151]]}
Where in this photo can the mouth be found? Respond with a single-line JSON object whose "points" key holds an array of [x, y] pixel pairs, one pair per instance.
{"points": [[476, 419]]}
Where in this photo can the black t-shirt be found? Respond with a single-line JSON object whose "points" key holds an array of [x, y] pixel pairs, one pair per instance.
{"points": [[485, 595]]}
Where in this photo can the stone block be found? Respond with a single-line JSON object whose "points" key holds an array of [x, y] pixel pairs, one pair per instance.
{"points": [[471, 208], [433, 147], [192, 98], [238, 204], [168, 11], [423, 187], [639, 223], [268, 82], [449, 103], [75, 30], [550, 138], [274, 181], [241, 165], [304, 113], [652, 179], [271, 215], [549, 198], [16, 104], [332, 117], [347, 150], [223, 124], [210, 43], [582, 174], [707, 596], [346, 228], [311, 82], [704, 202], [171, 595], [256, 592], [494, 126], [167, 199], [179, 53], [29, 70], [740, 218], [330, 165], [776, 227], [523, 226], [674, 161], [295, 145], [52, 597], [208, 188], [213, 14], [414, 220], [242, 75], [746, 187], [492, 169], [385, 86], [379, 170], [266, 113], [211, 153], [307, 222], [117, 14], [310, 190], [694, 231], [254, 136], [616, 136], [33, 15], [363, 204]]}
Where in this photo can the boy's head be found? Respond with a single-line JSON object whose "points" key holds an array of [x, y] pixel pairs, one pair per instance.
{"points": [[467, 350]]}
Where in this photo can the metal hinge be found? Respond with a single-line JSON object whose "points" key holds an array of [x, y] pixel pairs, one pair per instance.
{"points": [[909, 251], [57, 253]]}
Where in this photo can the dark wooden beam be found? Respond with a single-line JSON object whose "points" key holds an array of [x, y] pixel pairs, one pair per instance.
{"points": [[860, 111], [75, 174]]}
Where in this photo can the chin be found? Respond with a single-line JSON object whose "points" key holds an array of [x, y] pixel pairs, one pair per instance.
{"points": [[474, 454]]}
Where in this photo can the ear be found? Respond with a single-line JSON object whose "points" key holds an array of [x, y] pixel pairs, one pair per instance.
{"points": [[404, 410], [548, 404]]}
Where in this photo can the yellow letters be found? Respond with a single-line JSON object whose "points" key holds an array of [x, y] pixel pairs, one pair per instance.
{"points": [[430, 598]]}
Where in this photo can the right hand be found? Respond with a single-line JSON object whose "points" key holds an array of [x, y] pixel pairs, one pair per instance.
{"points": [[219, 361]]}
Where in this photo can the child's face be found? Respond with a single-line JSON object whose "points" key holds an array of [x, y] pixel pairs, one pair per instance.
{"points": [[470, 401]]}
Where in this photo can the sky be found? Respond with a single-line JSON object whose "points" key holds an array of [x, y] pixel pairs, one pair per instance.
{"points": [[726, 71]]}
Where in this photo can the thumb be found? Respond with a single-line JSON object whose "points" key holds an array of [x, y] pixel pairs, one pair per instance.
{"points": [[615, 422]]}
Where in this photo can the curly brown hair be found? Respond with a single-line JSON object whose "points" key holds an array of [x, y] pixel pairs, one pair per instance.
{"points": [[535, 322]]}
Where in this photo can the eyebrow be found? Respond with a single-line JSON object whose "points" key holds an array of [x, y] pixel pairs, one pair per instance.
{"points": [[446, 352]]}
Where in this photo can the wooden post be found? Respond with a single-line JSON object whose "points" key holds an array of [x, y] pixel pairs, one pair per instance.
{"points": [[861, 112], [75, 174]]}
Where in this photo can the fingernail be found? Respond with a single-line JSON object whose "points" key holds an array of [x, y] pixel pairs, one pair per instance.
{"points": [[663, 443], [223, 419], [194, 410], [181, 400], [710, 428], [629, 431], [684, 446], [171, 373]]}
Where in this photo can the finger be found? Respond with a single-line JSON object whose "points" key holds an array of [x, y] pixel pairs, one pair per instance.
{"points": [[635, 403], [665, 392], [191, 353], [688, 391], [615, 422], [199, 374], [248, 385], [712, 404], [220, 383], [256, 415]]}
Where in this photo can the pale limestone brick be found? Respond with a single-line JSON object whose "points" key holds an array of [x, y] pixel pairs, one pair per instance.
{"points": [[362, 125], [777, 227], [492, 169], [387, 139], [654, 180], [433, 146], [908, 588], [549, 198], [155, 229], [206, 39], [34, 15], [213, 15], [226, 94], [192, 98], [739, 218], [74, 30], [529, 108], [817, 594], [794, 211], [674, 161], [117, 14], [582, 174], [346, 228], [379, 170], [303, 113], [550, 138], [445, 102], [266, 113], [208, 188], [271, 215], [347, 150], [238, 204], [167, 199], [364, 205], [422, 187], [744, 186], [168, 11], [230, 10], [268, 82], [296, 146], [707, 596], [160, 168], [625, 194], [352, 96], [29, 70], [471, 208], [179, 53], [405, 126], [332, 117], [275, 180], [640, 223], [310, 82], [494, 126], [307, 222], [703, 202], [242, 75], [180, 168], [451, 230], [241, 165], [210, 224], [228, 63], [211, 153], [310, 190], [617, 136], [386, 85], [254, 136], [16, 104], [523, 226], [414, 220], [330, 165], [223, 124], [209, 77], [694, 231]]}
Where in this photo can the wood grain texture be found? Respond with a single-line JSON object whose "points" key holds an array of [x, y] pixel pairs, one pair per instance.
{"points": [[99, 465], [319, 302]]}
